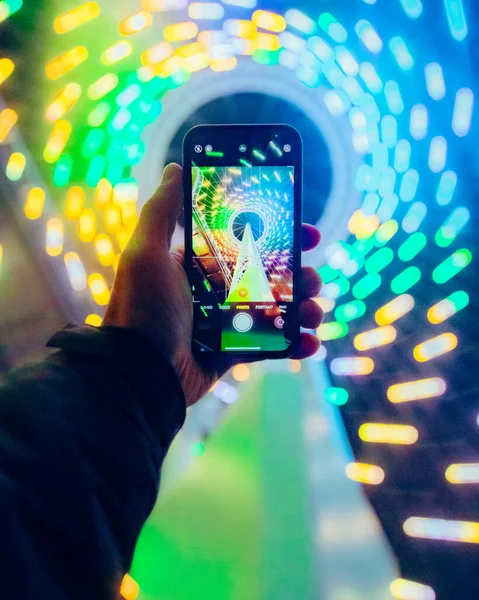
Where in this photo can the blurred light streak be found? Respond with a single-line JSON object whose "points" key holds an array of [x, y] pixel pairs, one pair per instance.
{"points": [[365, 473], [383, 433], [416, 390], [441, 529], [352, 365]]}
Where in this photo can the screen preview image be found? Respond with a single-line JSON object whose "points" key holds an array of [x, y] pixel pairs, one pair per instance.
{"points": [[243, 227]]}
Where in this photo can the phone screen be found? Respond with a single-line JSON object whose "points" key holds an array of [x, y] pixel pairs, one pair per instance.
{"points": [[243, 197]]}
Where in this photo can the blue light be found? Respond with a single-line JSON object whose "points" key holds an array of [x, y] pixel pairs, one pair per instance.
{"points": [[419, 122], [388, 182], [393, 97], [414, 217], [370, 77], [308, 76], [346, 61], [367, 179], [380, 157], [455, 222], [413, 8], [464, 104], [336, 102], [389, 131], [333, 74], [409, 185], [352, 88], [370, 108], [401, 53], [446, 188], [402, 156], [369, 36], [320, 48], [437, 154], [456, 19], [370, 204], [435, 84], [372, 132], [387, 208], [301, 22]]}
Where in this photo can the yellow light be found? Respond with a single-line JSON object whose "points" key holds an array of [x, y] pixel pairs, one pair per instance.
{"points": [[416, 390], [224, 64], [104, 249], [180, 31], [269, 20], [463, 473], [403, 589], [197, 62], [129, 214], [387, 231], [74, 203], [65, 100], [103, 193], [169, 66], [240, 28], [190, 50], [295, 366], [365, 473], [54, 245], [57, 141], [163, 5], [375, 338], [99, 289], [87, 225], [66, 62], [145, 73], [116, 53], [156, 54], [363, 226], [267, 41], [6, 69], [74, 18], [94, 320], [116, 260], [326, 304], [129, 588], [435, 347], [123, 235], [112, 218], [241, 372], [394, 310], [34, 203], [135, 23], [441, 529], [8, 119], [351, 366], [15, 166], [382, 433], [103, 86]]}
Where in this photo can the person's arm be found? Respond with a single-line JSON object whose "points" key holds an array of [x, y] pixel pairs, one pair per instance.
{"points": [[82, 438]]}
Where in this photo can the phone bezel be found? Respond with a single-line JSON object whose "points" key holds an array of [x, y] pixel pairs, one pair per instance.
{"points": [[200, 134]]}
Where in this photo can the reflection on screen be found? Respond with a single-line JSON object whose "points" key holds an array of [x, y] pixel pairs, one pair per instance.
{"points": [[243, 221]]}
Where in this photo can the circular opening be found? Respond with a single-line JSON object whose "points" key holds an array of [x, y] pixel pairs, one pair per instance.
{"points": [[252, 219]]}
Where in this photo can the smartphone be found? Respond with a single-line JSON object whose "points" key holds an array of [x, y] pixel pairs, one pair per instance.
{"points": [[243, 198]]}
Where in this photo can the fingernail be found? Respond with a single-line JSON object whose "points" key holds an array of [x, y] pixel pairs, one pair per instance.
{"points": [[169, 172]]}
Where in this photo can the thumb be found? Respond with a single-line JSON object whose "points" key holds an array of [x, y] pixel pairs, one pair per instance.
{"points": [[158, 216]]}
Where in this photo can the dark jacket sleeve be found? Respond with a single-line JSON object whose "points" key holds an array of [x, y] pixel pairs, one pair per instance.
{"points": [[82, 438]]}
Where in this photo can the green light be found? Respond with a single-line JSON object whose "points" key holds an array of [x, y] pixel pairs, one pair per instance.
{"points": [[350, 311], [336, 396], [95, 170], [366, 286], [379, 260], [207, 285], [266, 57], [412, 246], [98, 115], [405, 280], [134, 152], [121, 119], [259, 155], [245, 163], [128, 95], [443, 237], [452, 266], [327, 273], [198, 449], [459, 299], [215, 154], [93, 143], [204, 311], [63, 168], [332, 331], [114, 173], [344, 286], [385, 232]]}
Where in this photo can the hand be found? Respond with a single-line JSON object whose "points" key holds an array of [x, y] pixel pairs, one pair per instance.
{"points": [[151, 293]]}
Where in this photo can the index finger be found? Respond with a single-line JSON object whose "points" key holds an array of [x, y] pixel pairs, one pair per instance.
{"points": [[310, 237]]}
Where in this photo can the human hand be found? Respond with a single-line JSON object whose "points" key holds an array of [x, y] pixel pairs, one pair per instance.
{"points": [[151, 293]]}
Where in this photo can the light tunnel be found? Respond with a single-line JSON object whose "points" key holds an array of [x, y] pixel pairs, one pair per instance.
{"points": [[266, 491]]}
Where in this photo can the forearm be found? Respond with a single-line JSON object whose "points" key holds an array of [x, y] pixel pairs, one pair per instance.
{"points": [[83, 437]]}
